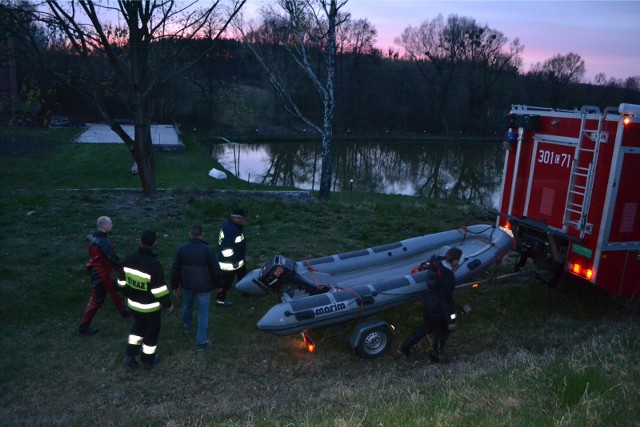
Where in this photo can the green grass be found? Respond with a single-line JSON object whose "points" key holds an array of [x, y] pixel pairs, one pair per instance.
{"points": [[524, 356], [48, 159]]}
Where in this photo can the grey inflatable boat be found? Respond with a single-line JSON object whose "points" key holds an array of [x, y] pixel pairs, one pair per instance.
{"points": [[324, 291]]}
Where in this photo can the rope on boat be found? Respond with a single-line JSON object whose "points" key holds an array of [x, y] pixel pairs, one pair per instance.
{"points": [[315, 279], [491, 242]]}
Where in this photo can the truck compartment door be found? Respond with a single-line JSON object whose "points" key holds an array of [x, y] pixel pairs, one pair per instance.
{"points": [[549, 182]]}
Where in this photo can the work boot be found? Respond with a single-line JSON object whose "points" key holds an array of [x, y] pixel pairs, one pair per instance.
{"points": [[131, 362], [148, 366], [205, 346], [405, 351], [401, 353], [86, 330], [221, 303]]}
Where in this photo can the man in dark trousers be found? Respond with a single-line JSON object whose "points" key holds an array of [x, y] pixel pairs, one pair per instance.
{"points": [[231, 253], [439, 310], [194, 275], [147, 293], [102, 262]]}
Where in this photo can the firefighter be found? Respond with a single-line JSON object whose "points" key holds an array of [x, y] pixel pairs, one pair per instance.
{"points": [[103, 260], [231, 253], [439, 311], [143, 284]]}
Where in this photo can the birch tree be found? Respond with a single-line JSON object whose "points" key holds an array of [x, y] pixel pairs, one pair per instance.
{"points": [[303, 28], [131, 60]]}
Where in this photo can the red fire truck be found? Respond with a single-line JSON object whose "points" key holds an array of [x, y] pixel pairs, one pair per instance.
{"points": [[570, 192]]}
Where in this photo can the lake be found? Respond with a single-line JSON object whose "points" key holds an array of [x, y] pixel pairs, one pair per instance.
{"points": [[470, 171]]}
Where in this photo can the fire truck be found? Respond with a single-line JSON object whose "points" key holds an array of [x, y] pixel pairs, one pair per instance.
{"points": [[570, 193]]}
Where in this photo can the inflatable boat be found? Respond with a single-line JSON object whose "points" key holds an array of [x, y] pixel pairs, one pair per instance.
{"points": [[324, 291]]}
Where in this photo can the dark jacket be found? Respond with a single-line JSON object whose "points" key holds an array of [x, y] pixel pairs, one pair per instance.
{"points": [[143, 282], [102, 257], [231, 246], [196, 267], [439, 308]]}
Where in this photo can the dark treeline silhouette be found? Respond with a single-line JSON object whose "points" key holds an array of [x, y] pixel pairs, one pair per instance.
{"points": [[376, 93]]}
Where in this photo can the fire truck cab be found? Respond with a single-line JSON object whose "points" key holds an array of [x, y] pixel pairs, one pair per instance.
{"points": [[570, 192]]}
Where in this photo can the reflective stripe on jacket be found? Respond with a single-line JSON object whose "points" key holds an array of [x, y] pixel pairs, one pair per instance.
{"points": [[143, 282], [231, 246]]}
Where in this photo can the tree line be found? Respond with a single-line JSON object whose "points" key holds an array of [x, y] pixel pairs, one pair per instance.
{"points": [[421, 92], [301, 67]]}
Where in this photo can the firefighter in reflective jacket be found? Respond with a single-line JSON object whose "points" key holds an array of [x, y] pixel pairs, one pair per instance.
{"points": [[146, 292], [439, 311], [231, 253]]}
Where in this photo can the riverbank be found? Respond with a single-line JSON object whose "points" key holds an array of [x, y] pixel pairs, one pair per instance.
{"points": [[521, 347], [524, 355], [357, 137]]}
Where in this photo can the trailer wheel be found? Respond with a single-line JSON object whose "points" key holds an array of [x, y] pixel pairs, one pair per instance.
{"points": [[374, 343]]}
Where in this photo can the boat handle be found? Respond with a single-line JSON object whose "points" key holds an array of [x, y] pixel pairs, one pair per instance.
{"points": [[301, 315]]}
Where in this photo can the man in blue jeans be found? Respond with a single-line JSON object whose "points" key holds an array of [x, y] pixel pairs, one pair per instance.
{"points": [[195, 273]]}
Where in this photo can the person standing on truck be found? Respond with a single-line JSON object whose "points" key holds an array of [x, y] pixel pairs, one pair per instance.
{"points": [[438, 311], [231, 253]]}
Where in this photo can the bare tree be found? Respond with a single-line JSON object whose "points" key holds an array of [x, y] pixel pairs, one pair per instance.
{"points": [[16, 27], [458, 52], [131, 60], [557, 74], [357, 38], [304, 28]]}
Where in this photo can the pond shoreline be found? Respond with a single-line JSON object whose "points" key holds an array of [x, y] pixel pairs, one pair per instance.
{"points": [[343, 138]]}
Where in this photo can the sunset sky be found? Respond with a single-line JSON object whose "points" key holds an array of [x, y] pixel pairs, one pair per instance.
{"points": [[606, 34]]}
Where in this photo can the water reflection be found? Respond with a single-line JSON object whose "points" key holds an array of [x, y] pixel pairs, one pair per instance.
{"points": [[469, 171]]}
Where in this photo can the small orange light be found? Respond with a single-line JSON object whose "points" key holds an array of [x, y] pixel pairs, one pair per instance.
{"points": [[507, 225], [626, 120], [581, 271], [311, 346], [575, 268], [475, 285]]}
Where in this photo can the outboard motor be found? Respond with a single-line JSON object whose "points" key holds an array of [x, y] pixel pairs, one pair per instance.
{"points": [[275, 273], [280, 273]]}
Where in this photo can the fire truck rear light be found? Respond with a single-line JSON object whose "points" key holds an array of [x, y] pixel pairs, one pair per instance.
{"points": [[626, 120], [578, 270]]}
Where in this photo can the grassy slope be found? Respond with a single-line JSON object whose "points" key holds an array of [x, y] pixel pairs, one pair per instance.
{"points": [[524, 356]]}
